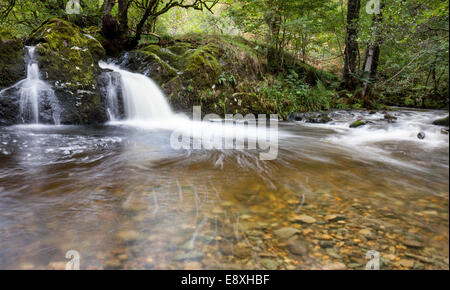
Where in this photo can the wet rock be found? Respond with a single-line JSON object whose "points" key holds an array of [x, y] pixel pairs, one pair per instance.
{"points": [[413, 243], [390, 118], [367, 234], [269, 264], [335, 266], [326, 244], [128, 236], [441, 122], [193, 266], [421, 135], [26, 266], [306, 219], [334, 218], [286, 233], [317, 118], [297, 247], [189, 256], [68, 61], [406, 263], [57, 265], [445, 131], [358, 123]]}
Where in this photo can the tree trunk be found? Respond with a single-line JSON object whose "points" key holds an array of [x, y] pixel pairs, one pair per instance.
{"points": [[372, 56], [108, 6], [123, 16], [351, 45]]}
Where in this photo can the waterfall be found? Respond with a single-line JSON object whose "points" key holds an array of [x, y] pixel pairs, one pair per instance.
{"points": [[35, 93], [142, 98]]}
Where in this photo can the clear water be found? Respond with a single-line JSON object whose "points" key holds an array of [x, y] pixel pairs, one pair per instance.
{"points": [[123, 198]]}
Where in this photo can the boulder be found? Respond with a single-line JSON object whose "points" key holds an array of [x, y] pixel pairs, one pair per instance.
{"points": [[358, 123], [441, 122], [68, 60]]}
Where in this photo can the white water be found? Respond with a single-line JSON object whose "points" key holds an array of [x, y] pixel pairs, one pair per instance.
{"points": [[143, 100], [33, 90], [379, 139], [146, 107]]}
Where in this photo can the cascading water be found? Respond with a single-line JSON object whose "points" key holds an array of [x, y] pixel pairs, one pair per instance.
{"points": [[142, 98], [146, 106], [35, 93]]}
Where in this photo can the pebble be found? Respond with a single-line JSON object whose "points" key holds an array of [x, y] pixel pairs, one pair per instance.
{"points": [[413, 243], [335, 266], [269, 264], [128, 236], [367, 234], [286, 233], [297, 247], [304, 219], [193, 266], [406, 263]]}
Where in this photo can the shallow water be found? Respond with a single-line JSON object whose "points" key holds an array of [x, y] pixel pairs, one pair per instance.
{"points": [[123, 198]]}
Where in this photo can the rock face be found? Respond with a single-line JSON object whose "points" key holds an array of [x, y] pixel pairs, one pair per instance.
{"points": [[12, 65], [201, 72], [12, 69], [68, 61]]}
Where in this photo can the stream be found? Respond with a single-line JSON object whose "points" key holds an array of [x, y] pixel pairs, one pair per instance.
{"points": [[124, 199]]}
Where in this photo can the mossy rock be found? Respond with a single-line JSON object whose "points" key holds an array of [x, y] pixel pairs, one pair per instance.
{"points": [[12, 66], [358, 123], [202, 67], [180, 47], [149, 64], [441, 122], [172, 59], [68, 60]]}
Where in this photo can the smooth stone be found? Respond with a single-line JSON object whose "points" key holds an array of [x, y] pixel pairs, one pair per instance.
{"points": [[57, 265], [335, 266], [304, 219], [421, 135], [326, 244], [26, 266], [297, 247], [413, 243], [333, 218], [367, 234], [286, 233], [406, 263], [193, 266], [269, 264], [129, 235], [189, 256]]}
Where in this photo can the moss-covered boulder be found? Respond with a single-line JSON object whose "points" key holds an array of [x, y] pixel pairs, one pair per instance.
{"points": [[68, 59], [358, 123], [12, 65], [441, 122], [148, 63]]}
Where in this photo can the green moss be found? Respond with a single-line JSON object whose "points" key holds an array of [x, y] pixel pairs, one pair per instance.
{"points": [[357, 124], [441, 122], [180, 47], [202, 66], [12, 67], [68, 59]]}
